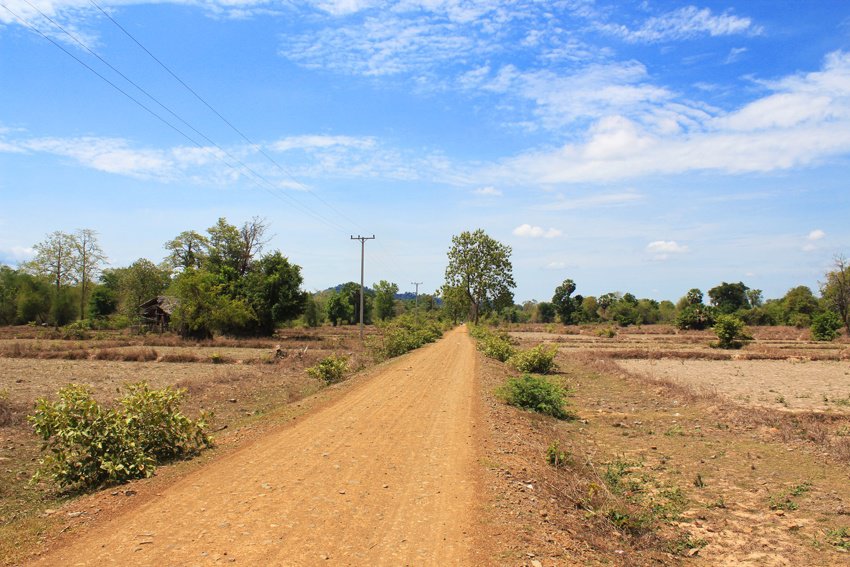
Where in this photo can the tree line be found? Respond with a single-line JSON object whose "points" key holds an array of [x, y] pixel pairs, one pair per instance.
{"points": [[223, 281]]}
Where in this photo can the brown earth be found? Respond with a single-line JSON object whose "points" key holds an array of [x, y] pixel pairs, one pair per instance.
{"points": [[382, 475]]}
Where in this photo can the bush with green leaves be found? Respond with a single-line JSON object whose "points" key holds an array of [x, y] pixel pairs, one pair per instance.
{"points": [[730, 331], [826, 326], [330, 369], [404, 334], [535, 393], [539, 360], [90, 445]]}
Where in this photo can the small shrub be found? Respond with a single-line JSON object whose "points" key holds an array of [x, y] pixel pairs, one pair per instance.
{"points": [[730, 331], [839, 537], [606, 332], [331, 369], [535, 393], [539, 360], [825, 326], [90, 445], [496, 347], [556, 457]]}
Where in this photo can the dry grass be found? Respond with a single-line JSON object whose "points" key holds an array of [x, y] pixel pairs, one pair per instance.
{"points": [[138, 354]]}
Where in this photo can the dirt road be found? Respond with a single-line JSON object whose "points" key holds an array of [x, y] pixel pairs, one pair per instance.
{"points": [[383, 475]]}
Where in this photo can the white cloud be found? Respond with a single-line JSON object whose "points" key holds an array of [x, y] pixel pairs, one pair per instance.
{"points": [[528, 231], [805, 120], [16, 253], [489, 191], [556, 265], [816, 234], [322, 142], [662, 249], [684, 23]]}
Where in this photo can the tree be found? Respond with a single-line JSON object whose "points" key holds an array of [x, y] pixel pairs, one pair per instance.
{"points": [[187, 250], [339, 308], [385, 293], [273, 290], [730, 331], [140, 281], [312, 312], [836, 290], [825, 326], [564, 304], [55, 259], [729, 297], [252, 237], [481, 267], [89, 258], [226, 251], [798, 306], [456, 304], [204, 307], [545, 312]]}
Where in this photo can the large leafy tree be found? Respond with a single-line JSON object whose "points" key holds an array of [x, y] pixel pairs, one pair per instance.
{"points": [[836, 290], [204, 307], [730, 297], [187, 250], [481, 267], [140, 281], [564, 303], [273, 290], [385, 293]]}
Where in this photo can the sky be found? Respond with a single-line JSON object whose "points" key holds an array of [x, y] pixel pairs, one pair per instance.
{"points": [[646, 147]]}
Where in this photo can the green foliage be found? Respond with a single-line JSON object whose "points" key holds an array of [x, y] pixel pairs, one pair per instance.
{"points": [[535, 393], [730, 297], [330, 369], [564, 304], [838, 537], [312, 312], [204, 307], [694, 317], [493, 345], [102, 303], [825, 326], [272, 288], [404, 334], [385, 299], [556, 457], [540, 360], [836, 290], [606, 332], [730, 331], [481, 267], [546, 312], [90, 445]]}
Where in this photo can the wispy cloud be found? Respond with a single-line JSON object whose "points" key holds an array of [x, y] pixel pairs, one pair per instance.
{"points": [[602, 200], [805, 120], [488, 191], [684, 23], [812, 239], [528, 231]]}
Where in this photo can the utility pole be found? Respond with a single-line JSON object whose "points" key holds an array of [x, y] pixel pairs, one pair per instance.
{"points": [[362, 240], [416, 305]]}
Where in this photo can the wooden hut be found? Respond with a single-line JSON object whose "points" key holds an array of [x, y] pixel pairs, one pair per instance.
{"points": [[156, 312]]}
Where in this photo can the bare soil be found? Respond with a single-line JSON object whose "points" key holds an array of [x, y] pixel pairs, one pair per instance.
{"points": [[780, 384]]}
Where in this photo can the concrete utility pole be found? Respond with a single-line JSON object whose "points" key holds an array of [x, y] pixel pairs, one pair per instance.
{"points": [[416, 304], [362, 240]]}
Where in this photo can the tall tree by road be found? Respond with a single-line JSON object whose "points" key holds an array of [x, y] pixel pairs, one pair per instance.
{"points": [[836, 290], [481, 267]]}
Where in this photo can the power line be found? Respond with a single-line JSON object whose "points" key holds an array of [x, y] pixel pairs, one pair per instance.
{"points": [[258, 147], [362, 240], [256, 176]]}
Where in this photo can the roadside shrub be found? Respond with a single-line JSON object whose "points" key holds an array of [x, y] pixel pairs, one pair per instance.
{"points": [[331, 369], [535, 393], [405, 334], [90, 445], [730, 331], [825, 326], [154, 420], [496, 346], [540, 360]]}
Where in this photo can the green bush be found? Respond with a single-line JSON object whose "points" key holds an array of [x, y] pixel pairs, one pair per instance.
{"points": [[556, 457], [90, 445], [404, 334], [496, 346], [540, 360], [331, 369], [535, 393], [825, 326], [730, 331]]}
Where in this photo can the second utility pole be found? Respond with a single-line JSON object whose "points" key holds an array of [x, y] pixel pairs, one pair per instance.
{"points": [[362, 240]]}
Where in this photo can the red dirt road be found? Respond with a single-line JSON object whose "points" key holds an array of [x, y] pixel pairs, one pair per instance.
{"points": [[383, 475]]}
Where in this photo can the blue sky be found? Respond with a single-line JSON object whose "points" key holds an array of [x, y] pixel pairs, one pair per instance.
{"points": [[647, 147]]}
